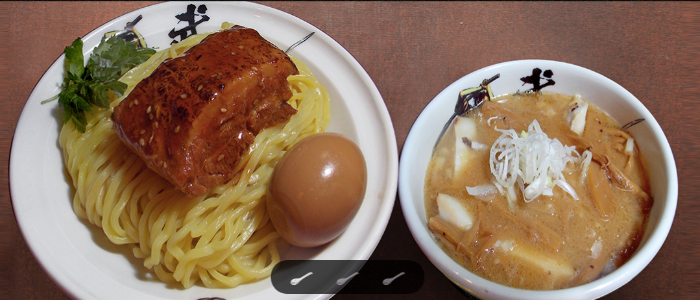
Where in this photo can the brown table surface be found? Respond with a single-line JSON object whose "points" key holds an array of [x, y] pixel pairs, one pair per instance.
{"points": [[412, 50]]}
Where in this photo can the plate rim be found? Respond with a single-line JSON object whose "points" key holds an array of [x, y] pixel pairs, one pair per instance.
{"points": [[389, 188]]}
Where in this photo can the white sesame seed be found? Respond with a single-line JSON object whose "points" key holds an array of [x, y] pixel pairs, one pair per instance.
{"points": [[156, 124], [177, 128], [150, 116], [183, 96], [199, 88], [142, 131], [148, 110], [221, 157], [233, 53], [213, 75], [254, 68], [131, 104], [223, 110], [136, 102], [225, 46], [240, 47], [165, 164], [142, 142]]}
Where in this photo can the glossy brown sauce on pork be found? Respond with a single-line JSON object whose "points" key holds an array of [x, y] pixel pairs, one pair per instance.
{"points": [[197, 114]]}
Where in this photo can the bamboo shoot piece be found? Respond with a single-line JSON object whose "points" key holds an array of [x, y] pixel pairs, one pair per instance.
{"points": [[444, 228], [601, 191], [577, 114], [451, 210]]}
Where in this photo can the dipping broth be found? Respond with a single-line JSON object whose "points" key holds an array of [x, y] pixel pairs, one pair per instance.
{"points": [[550, 242]]}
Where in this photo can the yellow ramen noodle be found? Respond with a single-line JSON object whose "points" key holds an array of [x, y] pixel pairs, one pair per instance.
{"points": [[222, 239]]}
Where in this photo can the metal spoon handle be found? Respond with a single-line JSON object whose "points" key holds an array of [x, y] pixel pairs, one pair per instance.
{"points": [[444, 129], [466, 103]]}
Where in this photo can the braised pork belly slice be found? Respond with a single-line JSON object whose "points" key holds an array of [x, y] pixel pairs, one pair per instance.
{"points": [[197, 114]]}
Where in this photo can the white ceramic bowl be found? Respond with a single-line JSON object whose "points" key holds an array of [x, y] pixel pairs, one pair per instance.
{"points": [[570, 79]]}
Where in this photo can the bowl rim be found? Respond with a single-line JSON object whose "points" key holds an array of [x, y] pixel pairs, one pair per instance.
{"points": [[485, 288]]}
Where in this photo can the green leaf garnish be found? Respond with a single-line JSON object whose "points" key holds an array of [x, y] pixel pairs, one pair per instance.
{"points": [[87, 85], [74, 59]]}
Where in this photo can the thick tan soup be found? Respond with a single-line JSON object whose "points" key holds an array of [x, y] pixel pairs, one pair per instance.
{"points": [[536, 234]]}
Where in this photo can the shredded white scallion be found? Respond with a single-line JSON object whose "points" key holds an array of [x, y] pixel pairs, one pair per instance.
{"points": [[498, 186], [484, 192], [490, 119], [533, 161], [629, 146], [478, 146], [587, 156]]}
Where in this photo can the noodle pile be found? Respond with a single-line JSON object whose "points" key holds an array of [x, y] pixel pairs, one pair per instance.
{"points": [[222, 239]]}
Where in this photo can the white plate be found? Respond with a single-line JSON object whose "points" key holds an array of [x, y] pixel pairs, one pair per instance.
{"points": [[78, 256]]}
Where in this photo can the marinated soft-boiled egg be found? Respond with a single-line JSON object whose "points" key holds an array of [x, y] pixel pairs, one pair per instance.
{"points": [[316, 189]]}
